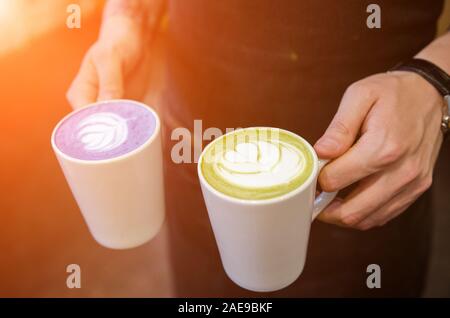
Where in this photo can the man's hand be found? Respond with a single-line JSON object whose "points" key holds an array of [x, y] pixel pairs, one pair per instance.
{"points": [[112, 62], [385, 136]]}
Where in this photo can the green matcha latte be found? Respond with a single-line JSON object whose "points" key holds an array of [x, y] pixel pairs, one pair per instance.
{"points": [[257, 163]]}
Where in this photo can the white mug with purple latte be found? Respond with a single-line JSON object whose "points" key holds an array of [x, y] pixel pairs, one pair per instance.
{"points": [[110, 153]]}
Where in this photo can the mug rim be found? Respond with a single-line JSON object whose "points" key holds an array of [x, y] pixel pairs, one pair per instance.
{"points": [[149, 141], [277, 199]]}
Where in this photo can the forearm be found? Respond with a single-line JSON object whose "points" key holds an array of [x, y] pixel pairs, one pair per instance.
{"points": [[134, 9], [438, 52], [139, 15], [145, 13]]}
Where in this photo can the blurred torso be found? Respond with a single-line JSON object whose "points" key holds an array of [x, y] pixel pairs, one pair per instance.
{"points": [[284, 63]]}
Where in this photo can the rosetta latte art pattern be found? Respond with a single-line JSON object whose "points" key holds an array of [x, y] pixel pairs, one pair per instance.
{"points": [[261, 164], [257, 163], [105, 130], [102, 131]]}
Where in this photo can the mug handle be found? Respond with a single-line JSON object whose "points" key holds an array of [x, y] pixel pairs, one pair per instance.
{"points": [[324, 198]]}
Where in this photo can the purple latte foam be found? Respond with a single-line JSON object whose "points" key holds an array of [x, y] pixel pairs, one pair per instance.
{"points": [[140, 126]]}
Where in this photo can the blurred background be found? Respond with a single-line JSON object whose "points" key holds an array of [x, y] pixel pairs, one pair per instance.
{"points": [[41, 228]]}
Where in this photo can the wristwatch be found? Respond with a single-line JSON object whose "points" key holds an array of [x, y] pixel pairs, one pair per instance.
{"points": [[436, 77]]}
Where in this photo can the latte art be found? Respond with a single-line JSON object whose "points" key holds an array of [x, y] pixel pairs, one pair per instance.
{"points": [[257, 163], [105, 130], [102, 131], [261, 164]]}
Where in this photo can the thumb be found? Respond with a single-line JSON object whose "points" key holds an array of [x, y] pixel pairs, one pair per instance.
{"points": [[343, 129], [110, 78]]}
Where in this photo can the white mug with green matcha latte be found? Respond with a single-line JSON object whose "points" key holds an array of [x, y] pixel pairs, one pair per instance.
{"points": [[259, 187]]}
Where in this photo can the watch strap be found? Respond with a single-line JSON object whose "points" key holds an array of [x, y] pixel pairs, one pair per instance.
{"points": [[429, 71]]}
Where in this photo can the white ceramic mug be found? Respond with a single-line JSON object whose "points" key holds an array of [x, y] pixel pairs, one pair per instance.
{"points": [[122, 198], [263, 243]]}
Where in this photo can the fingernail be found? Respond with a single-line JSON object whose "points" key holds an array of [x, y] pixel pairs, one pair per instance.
{"points": [[327, 144]]}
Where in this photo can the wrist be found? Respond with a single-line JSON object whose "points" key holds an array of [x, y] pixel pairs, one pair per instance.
{"points": [[437, 78], [143, 16], [134, 10], [437, 52], [420, 84]]}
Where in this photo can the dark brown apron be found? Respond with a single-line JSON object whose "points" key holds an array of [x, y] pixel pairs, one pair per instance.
{"points": [[286, 64]]}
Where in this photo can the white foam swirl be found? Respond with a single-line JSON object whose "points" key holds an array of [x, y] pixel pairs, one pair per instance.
{"points": [[101, 132], [261, 164]]}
